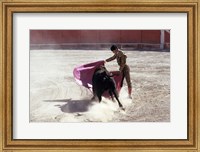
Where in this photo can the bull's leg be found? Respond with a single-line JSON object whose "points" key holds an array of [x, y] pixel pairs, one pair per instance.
{"points": [[116, 96], [111, 95], [99, 97], [94, 94], [99, 94]]}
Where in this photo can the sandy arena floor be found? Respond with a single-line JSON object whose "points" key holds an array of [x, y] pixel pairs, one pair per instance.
{"points": [[56, 97]]}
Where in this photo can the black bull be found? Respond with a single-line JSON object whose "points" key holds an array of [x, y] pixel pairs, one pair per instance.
{"points": [[102, 81]]}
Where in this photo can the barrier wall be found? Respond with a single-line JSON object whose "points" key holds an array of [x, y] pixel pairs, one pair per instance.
{"points": [[77, 39]]}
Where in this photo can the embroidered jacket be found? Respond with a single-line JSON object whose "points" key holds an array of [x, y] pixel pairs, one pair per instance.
{"points": [[121, 59]]}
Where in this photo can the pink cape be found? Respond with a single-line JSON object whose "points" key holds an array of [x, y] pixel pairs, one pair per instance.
{"points": [[83, 75]]}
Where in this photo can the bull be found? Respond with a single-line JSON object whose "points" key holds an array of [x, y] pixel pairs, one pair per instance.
{"points": [[102, 81]]}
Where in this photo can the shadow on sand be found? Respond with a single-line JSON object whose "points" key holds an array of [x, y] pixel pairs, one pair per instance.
{"points": [[73, 106]]}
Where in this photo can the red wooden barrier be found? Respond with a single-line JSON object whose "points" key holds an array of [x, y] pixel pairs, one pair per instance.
{"points": [[100, 38]]}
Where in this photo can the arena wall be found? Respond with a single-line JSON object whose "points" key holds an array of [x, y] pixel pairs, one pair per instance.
{"points": [[98, 39]]}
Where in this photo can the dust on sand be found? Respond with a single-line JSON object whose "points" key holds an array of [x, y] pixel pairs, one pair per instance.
{"points": [[56, 97]]}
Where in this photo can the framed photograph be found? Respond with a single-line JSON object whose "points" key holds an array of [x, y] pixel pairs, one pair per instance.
{"points": [[96, 75]]}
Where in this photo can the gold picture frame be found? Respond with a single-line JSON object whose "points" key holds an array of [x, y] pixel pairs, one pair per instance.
{"points": [[191, 7]]}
